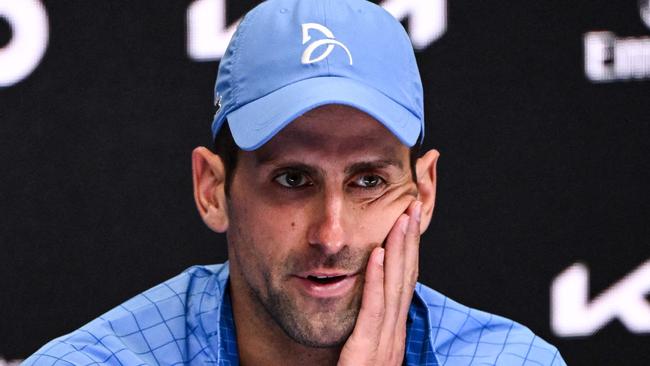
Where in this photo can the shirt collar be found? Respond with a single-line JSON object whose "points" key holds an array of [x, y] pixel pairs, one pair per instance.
{"points": [[419, 346], [418, 351], [228, 354]]}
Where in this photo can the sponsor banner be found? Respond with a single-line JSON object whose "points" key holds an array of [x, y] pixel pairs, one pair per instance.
{"points": [[28, 25], [573, 314], [208, 33], [609, 58]]}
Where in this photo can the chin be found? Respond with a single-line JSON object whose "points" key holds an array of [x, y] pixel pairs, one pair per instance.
{"points": [[329, 338], [324, 330]]}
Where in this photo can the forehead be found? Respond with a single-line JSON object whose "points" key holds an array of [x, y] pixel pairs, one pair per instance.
{"points": [[333, 130]]}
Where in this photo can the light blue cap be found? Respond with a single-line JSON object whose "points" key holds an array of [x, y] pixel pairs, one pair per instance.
{"points": [[290, 56]]}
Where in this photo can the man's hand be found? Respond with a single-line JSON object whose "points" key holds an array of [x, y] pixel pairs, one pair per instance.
{"points": [[379, 336]]}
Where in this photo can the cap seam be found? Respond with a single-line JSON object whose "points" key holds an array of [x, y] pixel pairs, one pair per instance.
{"points": [[237, 55], [327, 61]]}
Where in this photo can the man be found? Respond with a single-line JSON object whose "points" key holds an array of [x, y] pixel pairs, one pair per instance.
{"points": [[317, 184]]}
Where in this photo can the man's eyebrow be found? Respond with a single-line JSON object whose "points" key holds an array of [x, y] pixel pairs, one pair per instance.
{"points": [[262, 157], [270, 159], [371, 165]]}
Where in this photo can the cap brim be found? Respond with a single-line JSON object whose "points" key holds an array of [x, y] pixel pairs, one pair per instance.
{"points": [[257, 122]]}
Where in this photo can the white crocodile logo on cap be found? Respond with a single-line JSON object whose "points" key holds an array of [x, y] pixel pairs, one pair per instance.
{"points": [[330, 41]]}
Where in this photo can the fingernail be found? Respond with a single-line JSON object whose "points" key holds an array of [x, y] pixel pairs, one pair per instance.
{"points": [[403, 225], [380, 257], [417, 212]]}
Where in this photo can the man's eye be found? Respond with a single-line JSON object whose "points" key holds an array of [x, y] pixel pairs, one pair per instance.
{"points": [[292, 180], [369, 181]]}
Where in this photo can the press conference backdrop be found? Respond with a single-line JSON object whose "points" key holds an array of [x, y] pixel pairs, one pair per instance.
{"points": [[539, 109]]}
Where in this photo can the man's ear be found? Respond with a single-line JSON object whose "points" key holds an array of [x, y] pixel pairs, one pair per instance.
{"points": [[209, 176], [425, 168]]}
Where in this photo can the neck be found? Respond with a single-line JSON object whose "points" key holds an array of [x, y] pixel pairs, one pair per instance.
{"points": [[261, 341]]}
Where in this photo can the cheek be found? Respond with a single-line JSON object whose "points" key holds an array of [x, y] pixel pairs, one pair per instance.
{"points": [[263, 233], [264, 211], [376, 219]]}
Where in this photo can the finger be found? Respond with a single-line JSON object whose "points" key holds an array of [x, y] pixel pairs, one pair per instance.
{"points": [[411, 257], [371, 315], [394, 272]]}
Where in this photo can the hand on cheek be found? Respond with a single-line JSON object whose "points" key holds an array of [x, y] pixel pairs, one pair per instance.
{"points": [[379, 335], [380, 218]]}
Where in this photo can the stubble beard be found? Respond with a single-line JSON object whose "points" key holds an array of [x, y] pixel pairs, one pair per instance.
{"points": [[325, 329], [328, 328]]}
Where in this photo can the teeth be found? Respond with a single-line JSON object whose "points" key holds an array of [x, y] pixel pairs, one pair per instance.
{"points": [[323, 277]]}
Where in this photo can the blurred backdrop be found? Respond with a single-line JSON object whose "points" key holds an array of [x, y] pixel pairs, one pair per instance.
{"points": [[539, 109]]}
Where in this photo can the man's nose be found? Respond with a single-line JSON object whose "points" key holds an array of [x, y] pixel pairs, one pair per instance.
{"points": [[326, 230]]}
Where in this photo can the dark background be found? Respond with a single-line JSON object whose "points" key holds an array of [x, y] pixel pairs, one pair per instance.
{"points": [[540, 168]]}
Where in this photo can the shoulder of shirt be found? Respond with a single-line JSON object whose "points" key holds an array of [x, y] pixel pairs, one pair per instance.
{"points": [[152, 323], [463, 335]]}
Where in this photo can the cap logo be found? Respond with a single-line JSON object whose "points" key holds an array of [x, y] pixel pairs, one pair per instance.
{"points": [[307, 56]]}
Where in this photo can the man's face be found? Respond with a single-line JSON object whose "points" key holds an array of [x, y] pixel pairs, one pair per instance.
{"points": [[305, 211]]}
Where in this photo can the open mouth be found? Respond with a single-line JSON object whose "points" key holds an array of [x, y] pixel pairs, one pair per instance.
{"points": [[326, 280], [326, 285]]}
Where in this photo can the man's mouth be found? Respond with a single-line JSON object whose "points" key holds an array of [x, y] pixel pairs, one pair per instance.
{"points": [[326, 285], [325, 280]]}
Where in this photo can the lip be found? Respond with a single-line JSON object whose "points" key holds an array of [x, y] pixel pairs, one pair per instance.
{"points": [[325, 290]]}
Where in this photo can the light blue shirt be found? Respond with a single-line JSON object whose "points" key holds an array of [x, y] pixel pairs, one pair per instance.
{"points": [[188, 320]]}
